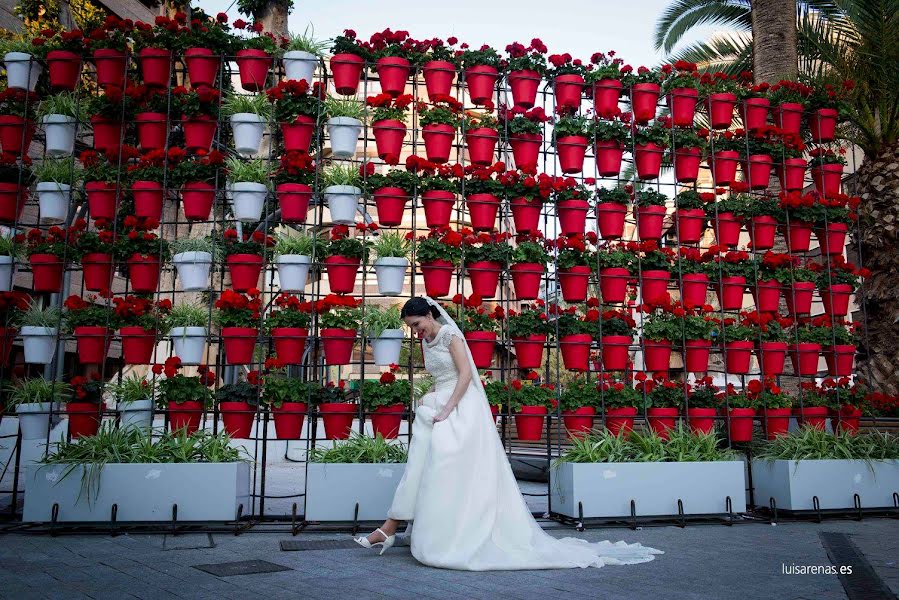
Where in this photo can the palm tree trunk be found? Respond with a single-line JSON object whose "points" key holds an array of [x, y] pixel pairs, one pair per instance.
{"points": [[774, 54], [274, 18], [878, 186]]}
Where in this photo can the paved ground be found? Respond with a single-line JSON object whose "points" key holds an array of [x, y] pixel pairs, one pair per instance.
{"points": [[701, 561]]}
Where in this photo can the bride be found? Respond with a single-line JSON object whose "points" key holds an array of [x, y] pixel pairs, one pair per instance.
{"points": [[458, 487]]}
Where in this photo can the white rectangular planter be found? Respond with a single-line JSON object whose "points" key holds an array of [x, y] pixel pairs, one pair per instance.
{"points": [[794, 484], [606, 489], [143, 492], [332, 490]]}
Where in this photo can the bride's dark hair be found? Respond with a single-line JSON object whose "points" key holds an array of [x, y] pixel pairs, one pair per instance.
{"points": [[418, 307]]}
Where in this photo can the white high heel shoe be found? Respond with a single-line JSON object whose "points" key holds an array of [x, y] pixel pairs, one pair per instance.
{"points": [[387, 543]]}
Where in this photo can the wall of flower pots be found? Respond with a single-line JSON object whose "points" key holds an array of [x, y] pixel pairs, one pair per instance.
{"points": [[214, 228]]}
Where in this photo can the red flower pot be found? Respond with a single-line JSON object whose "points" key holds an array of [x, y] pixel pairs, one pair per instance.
{"points": [[438, 205], [568, 90], [16, 134], [202, 67], [656, 355], [757, 170], [792, 174], [156, 67], [571, 150], [654, 285], [525, 149], [737, 356], [832, 238], [606, 93], [293, 198], [720, 107], [239, 343], [798, 236], [482, 209], [144, 273], [827, 179], [702, 420], [799, 297], [727, 229], [840, 359], [481, 344], [529, 422], [152, 130], [84, 418], [526, 280], [290, 342], [579, 421], [771, 356], [439, 76], [767, 295], [484, 276], [529, 351], [691, 224], [337, 345], [97, 271], [46, 273], [7, 336], [823, 124], [682, 104], [575, 350], [389, 136], [813, 416], [199, 131], [613, 284], [649, 222], [694, 288], [342, 273], [63, 69], [730, 292], [297, 135], [573, 282], [614, 350], [686, 164], [724, 166], [696, 355], [347, 72], [762, 229], [12, 201], [393, 71], [289, 420], [572, 216], [846, 419], [148, 196], [391, 204], [804, 357], [481, 81], [386, 420], [185, 415], [662, 420], [740, 424], [237, 417], [111, 65], [102, 199], [525, 214], [609, 155], [621, 420], [107, 133], [197, 198], [775, 421], [755, 113], [836, 299], [788, 116], [494, 410], [437, 276], [481, 143], [92, 344], [338, 419], [245, 270], [648, 160], [524, 84], [644, 98], [610, 219], [137, 345]]}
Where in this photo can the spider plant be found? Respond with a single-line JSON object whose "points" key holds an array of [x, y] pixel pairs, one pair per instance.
{"points": [[38, 316], [378, 318], [66, 104], [132, 389], [810, 443], [57, 170], [188, 315], [391, 244], [256, 104], [197, 244], [242, 171], [306, 42], [299, 243], [683, 445], [340, 107], [36, 390], [360, 449], [342, 174]]}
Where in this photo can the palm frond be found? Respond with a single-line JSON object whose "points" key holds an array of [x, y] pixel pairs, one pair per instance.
{"points": [[730, 53], [683, 15]]}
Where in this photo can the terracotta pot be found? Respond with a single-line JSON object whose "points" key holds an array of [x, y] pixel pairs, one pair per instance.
{"points": [[393, 71], [481, 344], [656, 355], [481, 143], [84, 418], [338, 419], [237, 418], [529, 351], [346, 70], [481, 81], [578, 422], [620, 420], [386, 420], [662, 420], [289, 420], [649, 222], [529, 421], [682, 105], [439, 76], [524, 84]]}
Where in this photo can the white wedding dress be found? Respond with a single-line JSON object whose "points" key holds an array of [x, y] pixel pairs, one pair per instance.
{"points": [[459, 491]]}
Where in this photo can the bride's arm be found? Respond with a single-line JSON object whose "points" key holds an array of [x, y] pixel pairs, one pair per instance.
{"points": [[460, 359]]}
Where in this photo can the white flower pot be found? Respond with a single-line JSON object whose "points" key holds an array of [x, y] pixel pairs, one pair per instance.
{"points": [[22, 70], [344, 133], [343, 202], [299, 65], [248, 129], [40, 344], [247, 200], [391, 273], [293, 270], [190, 344], [53, 201], [34, 420], [60, 134], [193, 270], [138, 413], [386, 347], [7, 271]]}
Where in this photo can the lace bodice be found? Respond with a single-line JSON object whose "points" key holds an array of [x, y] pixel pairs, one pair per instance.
{"points": [[439, 361]]}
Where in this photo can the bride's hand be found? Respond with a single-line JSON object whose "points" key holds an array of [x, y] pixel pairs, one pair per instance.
{"points": [[441, 416]]}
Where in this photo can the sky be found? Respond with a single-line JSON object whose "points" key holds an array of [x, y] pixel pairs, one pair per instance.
{"points": [[580, 27]]}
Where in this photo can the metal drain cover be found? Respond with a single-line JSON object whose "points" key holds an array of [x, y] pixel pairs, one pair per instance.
{"points": [[243, 567]]}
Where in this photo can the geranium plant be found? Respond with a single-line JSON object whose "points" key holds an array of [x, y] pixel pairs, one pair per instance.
{"points": [[238, 310]]}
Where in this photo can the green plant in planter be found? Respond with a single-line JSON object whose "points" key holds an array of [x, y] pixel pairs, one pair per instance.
{"points": [[731, 264], [528, 322], [767, 394], [342, 174], [377, 319], [617, 256], [34, 390], [497, 392], [341, 244], [385, 107], [340, 107], [573, 251], [188, 315], [570, 322], [529, 393], [439, 245], [571, 125], [443, 111], [579, 392], [612, 130], [682, 445], [663, 325], [703, 394], [57, 170], [732, 398], [391, 245], [736, 332], [652, 134], [649, 198], [66, 104], [238, 310], [87, 313], [614, 322], [810, 443], [132, 388], [279, 388], [256, 104], [179, 389], [9, 247], [400, 178], [487, 247], [360, 449], [663, 393], [299, 243], [473, 316], [40, 316], [691, 199], [387, 391], [618, 195], [252, 171], [339, 313], [306, 42], [530, 250], [618, 394], [197, 244], [240, 391]]}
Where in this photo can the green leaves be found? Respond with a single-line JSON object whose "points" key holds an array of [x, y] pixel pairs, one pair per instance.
{"points": [[360, 449], [683, 445]]}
